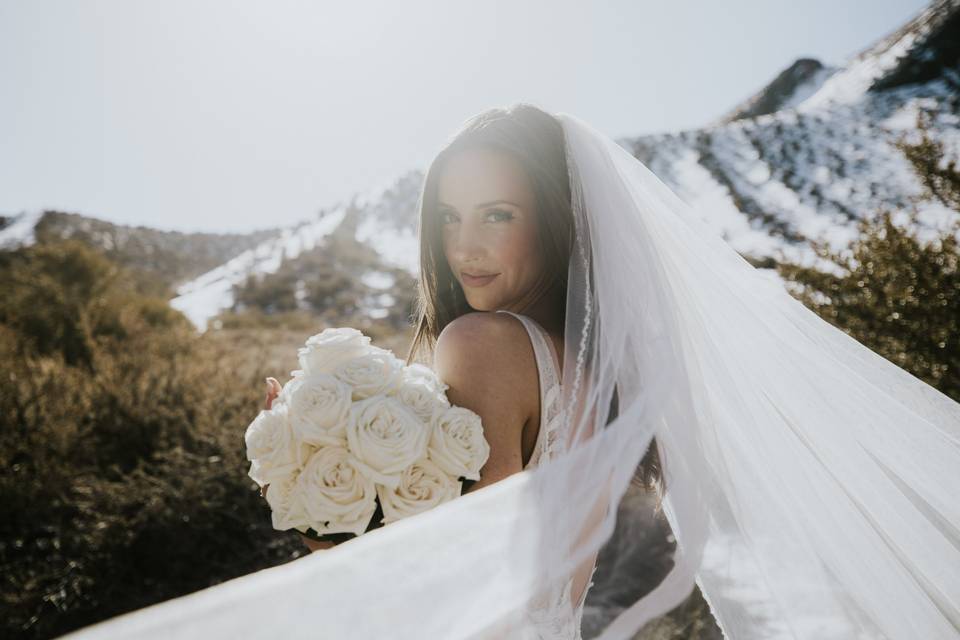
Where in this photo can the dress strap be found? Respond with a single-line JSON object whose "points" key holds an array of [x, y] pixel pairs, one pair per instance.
{"points": [[549, 380], [542, 345], [545, 354]]}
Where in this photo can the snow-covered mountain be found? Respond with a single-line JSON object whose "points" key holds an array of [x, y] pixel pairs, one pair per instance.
{"points": [[813, 152], [383, 219], [805, 158], [164, 258], [205, 296], [792, 86]]}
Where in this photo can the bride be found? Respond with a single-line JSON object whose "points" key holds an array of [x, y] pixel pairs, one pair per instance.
{"points": [[496, 229], [810, 484]]}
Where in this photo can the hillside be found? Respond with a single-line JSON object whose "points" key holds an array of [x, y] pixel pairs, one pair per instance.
{"points": [[804, 158], [814, 151], [162, 259], [382, 220]]}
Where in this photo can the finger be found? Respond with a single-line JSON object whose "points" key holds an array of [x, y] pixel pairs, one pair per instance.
{"points": [[273, 390], [275, 385], [316, 545], [270, 395]]}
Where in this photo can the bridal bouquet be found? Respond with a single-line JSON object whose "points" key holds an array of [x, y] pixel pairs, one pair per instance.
{"points": [[356, 439]]}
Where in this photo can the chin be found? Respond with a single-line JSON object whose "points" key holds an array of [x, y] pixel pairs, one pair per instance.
{"points": [[478, 306], [482, 304]]}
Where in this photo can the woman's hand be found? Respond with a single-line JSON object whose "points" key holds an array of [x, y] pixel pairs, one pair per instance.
{"points": [[273, 390]]}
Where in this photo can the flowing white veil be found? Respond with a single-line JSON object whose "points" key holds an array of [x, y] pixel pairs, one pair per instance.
{"points": [[811, 485]]}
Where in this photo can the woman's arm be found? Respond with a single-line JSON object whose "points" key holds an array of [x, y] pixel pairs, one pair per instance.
{"points": [[488, 362]]}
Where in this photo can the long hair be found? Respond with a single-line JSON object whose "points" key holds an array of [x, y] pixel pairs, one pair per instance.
{"points": [[534, 138]]}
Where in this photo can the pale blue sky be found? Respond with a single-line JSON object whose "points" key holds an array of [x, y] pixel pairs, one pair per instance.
{"points": [[200, 115]]}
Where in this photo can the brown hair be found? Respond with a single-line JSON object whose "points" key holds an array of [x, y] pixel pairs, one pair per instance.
{"points": [[534, 138]]}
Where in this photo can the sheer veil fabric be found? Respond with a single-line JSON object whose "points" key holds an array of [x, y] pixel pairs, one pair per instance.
{"points": [[811, 484]]}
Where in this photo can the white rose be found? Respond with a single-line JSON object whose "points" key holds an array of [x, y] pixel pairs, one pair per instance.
{"points": [[423, 485], [386, 437], [256, 473], [318, 405], [337, 497], [271, 445], [326, 350], [457, 444], [422, 398], [286, 505], [375, 372], [423, 374]]}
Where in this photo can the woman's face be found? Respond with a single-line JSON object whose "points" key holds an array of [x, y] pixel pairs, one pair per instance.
{"points": [[486, 210]]}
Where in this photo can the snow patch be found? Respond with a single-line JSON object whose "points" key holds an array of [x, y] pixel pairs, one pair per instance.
{"points": [[206, 296], [808, 88], [20, 231], [712, 201], [400, 247], [851, 83]]}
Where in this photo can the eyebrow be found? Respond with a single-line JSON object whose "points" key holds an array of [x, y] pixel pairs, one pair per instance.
{"points": [[482, 204]]}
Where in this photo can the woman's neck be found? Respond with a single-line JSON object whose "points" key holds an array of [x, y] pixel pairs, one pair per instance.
{"points": [[548, 313]]}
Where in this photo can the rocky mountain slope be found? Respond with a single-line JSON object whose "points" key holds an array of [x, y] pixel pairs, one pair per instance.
{"points": [[805, 158], [814, 151], [163, 258]]}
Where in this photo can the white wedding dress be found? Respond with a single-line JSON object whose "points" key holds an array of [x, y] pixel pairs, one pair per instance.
{"points": [[553, 615]]}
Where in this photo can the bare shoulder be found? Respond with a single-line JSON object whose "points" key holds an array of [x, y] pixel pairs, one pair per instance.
{"points": [[482, 353], [488, 362]]}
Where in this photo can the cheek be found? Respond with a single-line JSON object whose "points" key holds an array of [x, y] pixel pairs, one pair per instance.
{"points": [[514, 251], [520, 254]]}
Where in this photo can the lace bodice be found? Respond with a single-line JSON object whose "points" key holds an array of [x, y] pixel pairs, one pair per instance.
{"points": [[554, 616]]}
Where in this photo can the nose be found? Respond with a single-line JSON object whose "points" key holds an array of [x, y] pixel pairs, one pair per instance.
{"points": [[466, 244]]}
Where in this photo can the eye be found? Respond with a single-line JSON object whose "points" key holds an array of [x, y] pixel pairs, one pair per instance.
{"points": [[505, 215], [496, 215]]}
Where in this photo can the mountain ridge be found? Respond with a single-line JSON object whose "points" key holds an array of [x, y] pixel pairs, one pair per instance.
{"points": [[805, 158]]}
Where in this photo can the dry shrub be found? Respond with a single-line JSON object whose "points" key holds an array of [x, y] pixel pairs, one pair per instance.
{"points": [[123, 477]]}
